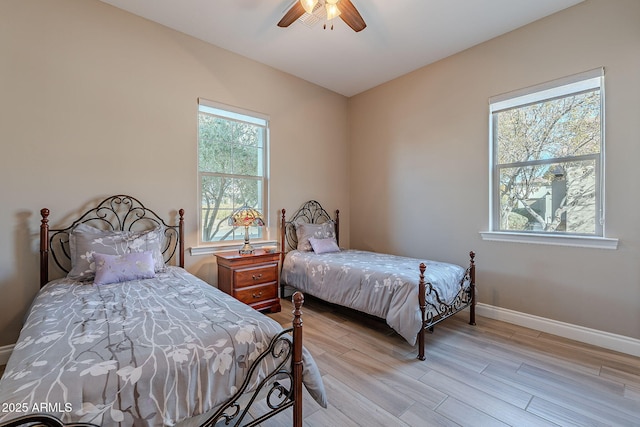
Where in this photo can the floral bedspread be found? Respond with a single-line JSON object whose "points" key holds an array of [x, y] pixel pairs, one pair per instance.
{"points": [[145, 352], [382, 285]]}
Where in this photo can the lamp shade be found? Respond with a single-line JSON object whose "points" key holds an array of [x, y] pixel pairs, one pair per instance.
{"points": [[332, 10], [246, 217], [309, 5]]}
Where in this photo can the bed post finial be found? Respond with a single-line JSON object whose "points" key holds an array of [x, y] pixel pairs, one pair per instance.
{"points": [[472, 287], [298, 300], [296, 362], [44, 247], [422, 302]]}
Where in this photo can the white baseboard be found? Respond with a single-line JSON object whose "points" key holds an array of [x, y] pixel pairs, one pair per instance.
{"points": [[5, 352], [603, 339]]}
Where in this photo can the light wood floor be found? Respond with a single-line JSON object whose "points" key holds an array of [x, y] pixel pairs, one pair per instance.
{"points": [[492, 374]]}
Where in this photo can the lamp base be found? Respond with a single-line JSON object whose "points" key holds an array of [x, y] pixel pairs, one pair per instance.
{"points": [[247, 249]]}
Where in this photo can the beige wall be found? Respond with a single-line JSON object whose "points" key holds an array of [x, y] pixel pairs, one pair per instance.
{"points": [[419, 167], [95, 101]]}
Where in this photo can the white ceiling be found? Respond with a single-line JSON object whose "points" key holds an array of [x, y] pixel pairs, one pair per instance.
{"points": [[401, 35]]}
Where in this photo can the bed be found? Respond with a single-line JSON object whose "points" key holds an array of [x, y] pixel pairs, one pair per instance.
{"points": [[412, 295], [129, 337]]}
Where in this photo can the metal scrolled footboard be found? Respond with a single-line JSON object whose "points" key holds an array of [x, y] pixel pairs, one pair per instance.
{"points": [[279, 395], [435, 312], [286, 349]]}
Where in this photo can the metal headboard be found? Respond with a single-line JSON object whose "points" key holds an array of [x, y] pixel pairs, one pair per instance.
{"points": [[115, 213], [311, 212]]}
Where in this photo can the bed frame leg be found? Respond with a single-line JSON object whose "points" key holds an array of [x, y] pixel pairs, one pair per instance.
{"points": [[472, 288], [297, 299], [422, 300]]}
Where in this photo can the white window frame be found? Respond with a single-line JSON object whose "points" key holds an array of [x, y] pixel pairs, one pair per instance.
{"points": [[554, 89], [255, 118]]}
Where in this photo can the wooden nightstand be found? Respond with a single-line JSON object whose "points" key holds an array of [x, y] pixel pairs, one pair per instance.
{"points": [[252, 279]]}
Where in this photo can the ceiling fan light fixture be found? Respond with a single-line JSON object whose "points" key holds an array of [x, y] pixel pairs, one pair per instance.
{"points": [[310, 12], [308, 5], [332, 10]]}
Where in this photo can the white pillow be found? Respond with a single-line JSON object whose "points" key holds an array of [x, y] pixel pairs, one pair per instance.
{"points": [[323, 246]]}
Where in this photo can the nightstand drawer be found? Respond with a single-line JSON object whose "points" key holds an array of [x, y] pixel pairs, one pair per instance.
{"points": [[255, 276], [258, 293]]}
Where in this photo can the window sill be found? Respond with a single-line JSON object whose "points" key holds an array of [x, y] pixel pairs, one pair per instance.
{"points": [[208, 250], [575, 241]]}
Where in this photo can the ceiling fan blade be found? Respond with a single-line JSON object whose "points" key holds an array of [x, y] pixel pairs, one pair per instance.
{"points": [[292, 15], [351, 16]]}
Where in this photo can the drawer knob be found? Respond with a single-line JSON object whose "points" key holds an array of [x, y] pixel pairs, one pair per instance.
{"points": [[257, 276], [257, 295]]}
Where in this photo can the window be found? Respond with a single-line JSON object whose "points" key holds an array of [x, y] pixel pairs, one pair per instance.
{"points": [[547, 158], [232, 153]]}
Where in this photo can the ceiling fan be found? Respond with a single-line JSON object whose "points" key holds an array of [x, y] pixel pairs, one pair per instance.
{"points": [[334, 8]]}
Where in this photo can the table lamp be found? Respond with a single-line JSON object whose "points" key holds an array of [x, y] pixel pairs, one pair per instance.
{"points": [[246, 217]]}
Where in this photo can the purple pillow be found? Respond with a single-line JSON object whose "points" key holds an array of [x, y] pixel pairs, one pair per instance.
{"points": [[121, 268], [323, 246]]}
